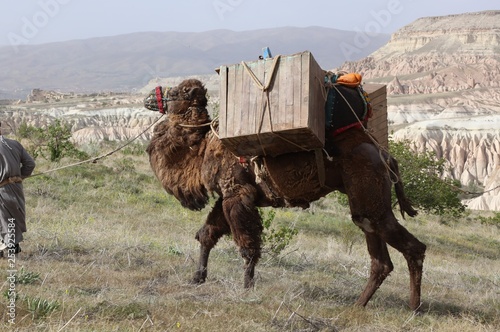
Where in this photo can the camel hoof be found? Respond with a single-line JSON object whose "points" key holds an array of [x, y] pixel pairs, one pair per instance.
{"points": [[249, 283], [417, 309], [199, 278]]}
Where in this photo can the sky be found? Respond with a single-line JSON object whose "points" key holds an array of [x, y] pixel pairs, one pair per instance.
{"points": [[45, 21]]}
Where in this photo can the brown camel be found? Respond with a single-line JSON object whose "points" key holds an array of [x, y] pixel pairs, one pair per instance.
{"points": [[192, 163]]}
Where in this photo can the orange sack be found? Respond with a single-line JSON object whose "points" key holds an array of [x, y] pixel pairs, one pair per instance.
{"points": [[353, 80]]}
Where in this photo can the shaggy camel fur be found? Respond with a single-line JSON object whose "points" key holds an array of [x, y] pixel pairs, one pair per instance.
{"points": [[192, 163]]}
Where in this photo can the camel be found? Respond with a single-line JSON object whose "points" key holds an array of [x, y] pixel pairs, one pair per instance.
{"points": [[193, 165]]}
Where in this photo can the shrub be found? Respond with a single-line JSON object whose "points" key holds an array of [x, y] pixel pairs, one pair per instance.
{"points": [[422, 175], [275, 239], [52, 143], [492, 221], [25, 277]]}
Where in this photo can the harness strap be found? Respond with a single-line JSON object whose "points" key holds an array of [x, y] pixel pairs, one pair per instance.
{"points": [[14, 179], [159, 99], [318, 153]]}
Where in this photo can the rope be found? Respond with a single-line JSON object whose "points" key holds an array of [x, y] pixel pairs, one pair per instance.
{"points": [[95, 159], [265, 91], [466, 192], [270, 79], [266, 102], [211, 124], [196, 126], [482, 193]]}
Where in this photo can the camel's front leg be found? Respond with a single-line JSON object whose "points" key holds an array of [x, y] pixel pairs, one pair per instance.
{"points": [[246, 227], [208, 235], [201, 273]]}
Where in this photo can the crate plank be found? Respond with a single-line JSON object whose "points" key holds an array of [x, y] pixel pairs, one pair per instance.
{"points": [[223, 99], [377, 124]]}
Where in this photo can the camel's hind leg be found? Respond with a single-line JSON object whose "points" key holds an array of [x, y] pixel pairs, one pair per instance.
{"points": [[388, 230], [392, 232], [214, 228], [369, 190]]}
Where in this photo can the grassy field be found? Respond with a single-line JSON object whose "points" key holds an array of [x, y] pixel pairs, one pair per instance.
{"points": [[108, 250]]}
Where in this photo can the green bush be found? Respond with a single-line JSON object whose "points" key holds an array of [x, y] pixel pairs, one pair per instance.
{"points": [[492, 221], [52, 143], [25, 277], [422, 176], [275, 239]]}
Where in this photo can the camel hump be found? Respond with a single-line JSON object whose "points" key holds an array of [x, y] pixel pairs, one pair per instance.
{"points": [[296, 177]]}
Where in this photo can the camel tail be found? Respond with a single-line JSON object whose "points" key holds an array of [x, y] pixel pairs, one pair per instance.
{"points": [[403, 201]]}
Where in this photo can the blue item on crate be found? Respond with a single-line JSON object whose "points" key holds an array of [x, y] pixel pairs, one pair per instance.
{"points": [[266, 53]]}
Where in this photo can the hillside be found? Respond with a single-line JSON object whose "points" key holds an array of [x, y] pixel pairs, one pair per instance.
{"points": [[127, 62], [443, 81]]}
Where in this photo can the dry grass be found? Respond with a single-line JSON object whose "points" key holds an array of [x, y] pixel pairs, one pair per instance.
{"points": [[116, 253]]}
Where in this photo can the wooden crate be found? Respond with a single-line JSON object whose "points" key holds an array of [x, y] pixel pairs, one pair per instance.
{"points": [[287, 117], [377, 124]]}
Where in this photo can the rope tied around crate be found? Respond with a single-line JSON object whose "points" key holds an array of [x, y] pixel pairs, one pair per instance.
{"points": [[266, 103], [256, 80]]}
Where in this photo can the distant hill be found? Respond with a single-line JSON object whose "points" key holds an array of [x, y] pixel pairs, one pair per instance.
{"points": [[130, 61]]}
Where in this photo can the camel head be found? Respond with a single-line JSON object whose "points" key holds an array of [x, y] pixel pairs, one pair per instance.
{"points": [[178, 100]]}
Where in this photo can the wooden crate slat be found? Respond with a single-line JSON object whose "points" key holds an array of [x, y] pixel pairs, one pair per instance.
{"points": [[223, 100], [317, 99], [377, 124], [284, 79]]}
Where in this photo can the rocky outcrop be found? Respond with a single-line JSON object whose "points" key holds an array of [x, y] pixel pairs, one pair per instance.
{"points": [[88, 126], [471, 148], [474, 33], [490, 200], [438, 54], [92, 117], [470, 144], [443, 83], [430, 73]]}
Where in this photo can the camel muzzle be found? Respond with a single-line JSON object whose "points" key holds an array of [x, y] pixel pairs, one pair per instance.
{"points": [[156, 100]]}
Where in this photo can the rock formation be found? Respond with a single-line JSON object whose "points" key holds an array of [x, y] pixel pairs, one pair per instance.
{"points": [[443, 82], [92, 117]]}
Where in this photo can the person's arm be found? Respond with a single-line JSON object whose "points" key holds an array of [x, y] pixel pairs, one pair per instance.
{"points": [[27, 164]]}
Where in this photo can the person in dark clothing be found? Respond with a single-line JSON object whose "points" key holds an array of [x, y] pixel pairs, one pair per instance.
{"points": [[15, 165]]}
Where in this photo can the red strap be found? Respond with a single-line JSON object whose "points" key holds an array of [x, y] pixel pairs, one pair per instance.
{"points": [[341, 130], [159, 99]]}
